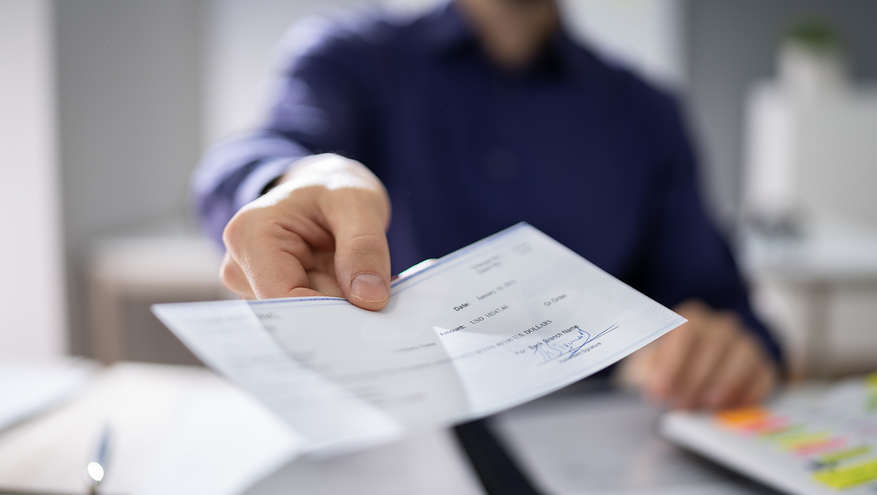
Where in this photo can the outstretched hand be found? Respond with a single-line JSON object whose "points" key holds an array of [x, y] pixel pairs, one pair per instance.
{"points": [[710, 362], [320, 231]]}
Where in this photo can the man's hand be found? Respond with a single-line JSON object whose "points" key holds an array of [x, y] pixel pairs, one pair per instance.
{"points": [[320, 231], [711, 362]]}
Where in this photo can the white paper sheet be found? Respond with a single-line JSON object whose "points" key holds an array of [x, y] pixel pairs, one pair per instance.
{"points": [[27, 389], [503, 321], [175, 430]]}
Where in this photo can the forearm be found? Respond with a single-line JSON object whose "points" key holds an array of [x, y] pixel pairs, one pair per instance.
{"points": [[235, 172]]}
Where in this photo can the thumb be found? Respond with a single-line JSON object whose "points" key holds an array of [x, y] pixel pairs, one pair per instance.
{"points": [[362, 256]]}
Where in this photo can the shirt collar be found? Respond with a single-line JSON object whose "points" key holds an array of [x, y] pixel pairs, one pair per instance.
{"points": [[447, 33]]}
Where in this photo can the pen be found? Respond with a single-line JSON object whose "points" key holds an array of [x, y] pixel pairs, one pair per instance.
{"points": [[95, 471]]}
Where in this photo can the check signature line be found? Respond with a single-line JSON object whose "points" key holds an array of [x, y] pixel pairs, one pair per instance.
{"points": [[571, 351]]}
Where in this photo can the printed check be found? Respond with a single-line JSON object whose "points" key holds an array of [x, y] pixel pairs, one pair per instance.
{"points": [[493, 325]]}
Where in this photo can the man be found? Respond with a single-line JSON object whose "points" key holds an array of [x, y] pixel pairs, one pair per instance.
{"points": [[470, 119]]}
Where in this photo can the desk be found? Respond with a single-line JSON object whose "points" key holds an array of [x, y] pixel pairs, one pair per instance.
{"points": [[425, 463], [183, 430], [576, 442], [603, 441]]}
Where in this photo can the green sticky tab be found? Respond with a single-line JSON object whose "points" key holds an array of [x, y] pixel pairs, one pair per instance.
{"points": [[842, 455], [792, 441], [781, 432]]}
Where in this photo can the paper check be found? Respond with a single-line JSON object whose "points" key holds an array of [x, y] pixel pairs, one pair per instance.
{"points": [[501, 322]]}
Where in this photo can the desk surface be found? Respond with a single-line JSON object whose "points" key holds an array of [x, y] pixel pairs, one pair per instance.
{"points": [[578, 442], [605, 442], [177, 428], [183, 430]]}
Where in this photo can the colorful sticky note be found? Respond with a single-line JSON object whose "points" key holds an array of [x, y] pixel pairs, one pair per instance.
{"points": [[843, 455], [737, 418], [848, 476], [815, 447]]}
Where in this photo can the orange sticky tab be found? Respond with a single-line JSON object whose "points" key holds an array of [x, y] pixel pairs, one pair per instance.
{"points": [[736, 418]]}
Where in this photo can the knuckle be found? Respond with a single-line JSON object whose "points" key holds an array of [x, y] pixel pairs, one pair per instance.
{"points": [[273, 227], [292, 242], [725, 331], [236, 228], [749, 345], [692, 308], [729, 320], [227, 271], [366, 243]]}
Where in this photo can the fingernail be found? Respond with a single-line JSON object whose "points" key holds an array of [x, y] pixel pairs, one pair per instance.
{"points": [[368, 287]]}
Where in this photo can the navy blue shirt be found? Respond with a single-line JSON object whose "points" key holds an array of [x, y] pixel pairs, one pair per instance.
{"points": [[584, 151]]}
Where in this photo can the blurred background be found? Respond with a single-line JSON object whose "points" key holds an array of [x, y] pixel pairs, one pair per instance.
{"points": [[106, 106]]}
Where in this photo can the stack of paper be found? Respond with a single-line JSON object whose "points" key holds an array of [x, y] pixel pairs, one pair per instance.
{"points": [[30, 388], [174, 430]]}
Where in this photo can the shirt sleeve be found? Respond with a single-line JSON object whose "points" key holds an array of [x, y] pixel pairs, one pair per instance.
{"points": [[683, 255], [319, 107]]}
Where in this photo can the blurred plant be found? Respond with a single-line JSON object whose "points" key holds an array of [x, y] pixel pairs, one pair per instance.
{"points": [[815, 34]]}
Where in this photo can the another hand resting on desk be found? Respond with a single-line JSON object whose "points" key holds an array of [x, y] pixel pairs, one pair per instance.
{"points": [[320, 231], [710, 362]]}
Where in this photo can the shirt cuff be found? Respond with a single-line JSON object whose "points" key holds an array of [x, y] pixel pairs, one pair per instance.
{"points": [[262, 175]]}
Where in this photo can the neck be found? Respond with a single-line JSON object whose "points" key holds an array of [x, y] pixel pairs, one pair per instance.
{"points": [[511, 32]]}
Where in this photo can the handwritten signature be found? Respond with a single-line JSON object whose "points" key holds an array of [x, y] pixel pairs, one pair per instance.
{"points": [[550, 351]]}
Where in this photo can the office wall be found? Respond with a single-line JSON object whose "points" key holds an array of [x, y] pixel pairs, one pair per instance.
{"points": [[239, 51], [732, 44], [129, 76], [647, 35], [32, 319]]}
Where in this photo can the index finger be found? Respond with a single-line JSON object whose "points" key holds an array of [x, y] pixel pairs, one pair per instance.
{"points": [[273, 255]]}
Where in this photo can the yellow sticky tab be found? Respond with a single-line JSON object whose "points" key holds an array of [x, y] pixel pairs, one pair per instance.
{"points": [[871, 380], [848, 476], [794, 440]]}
